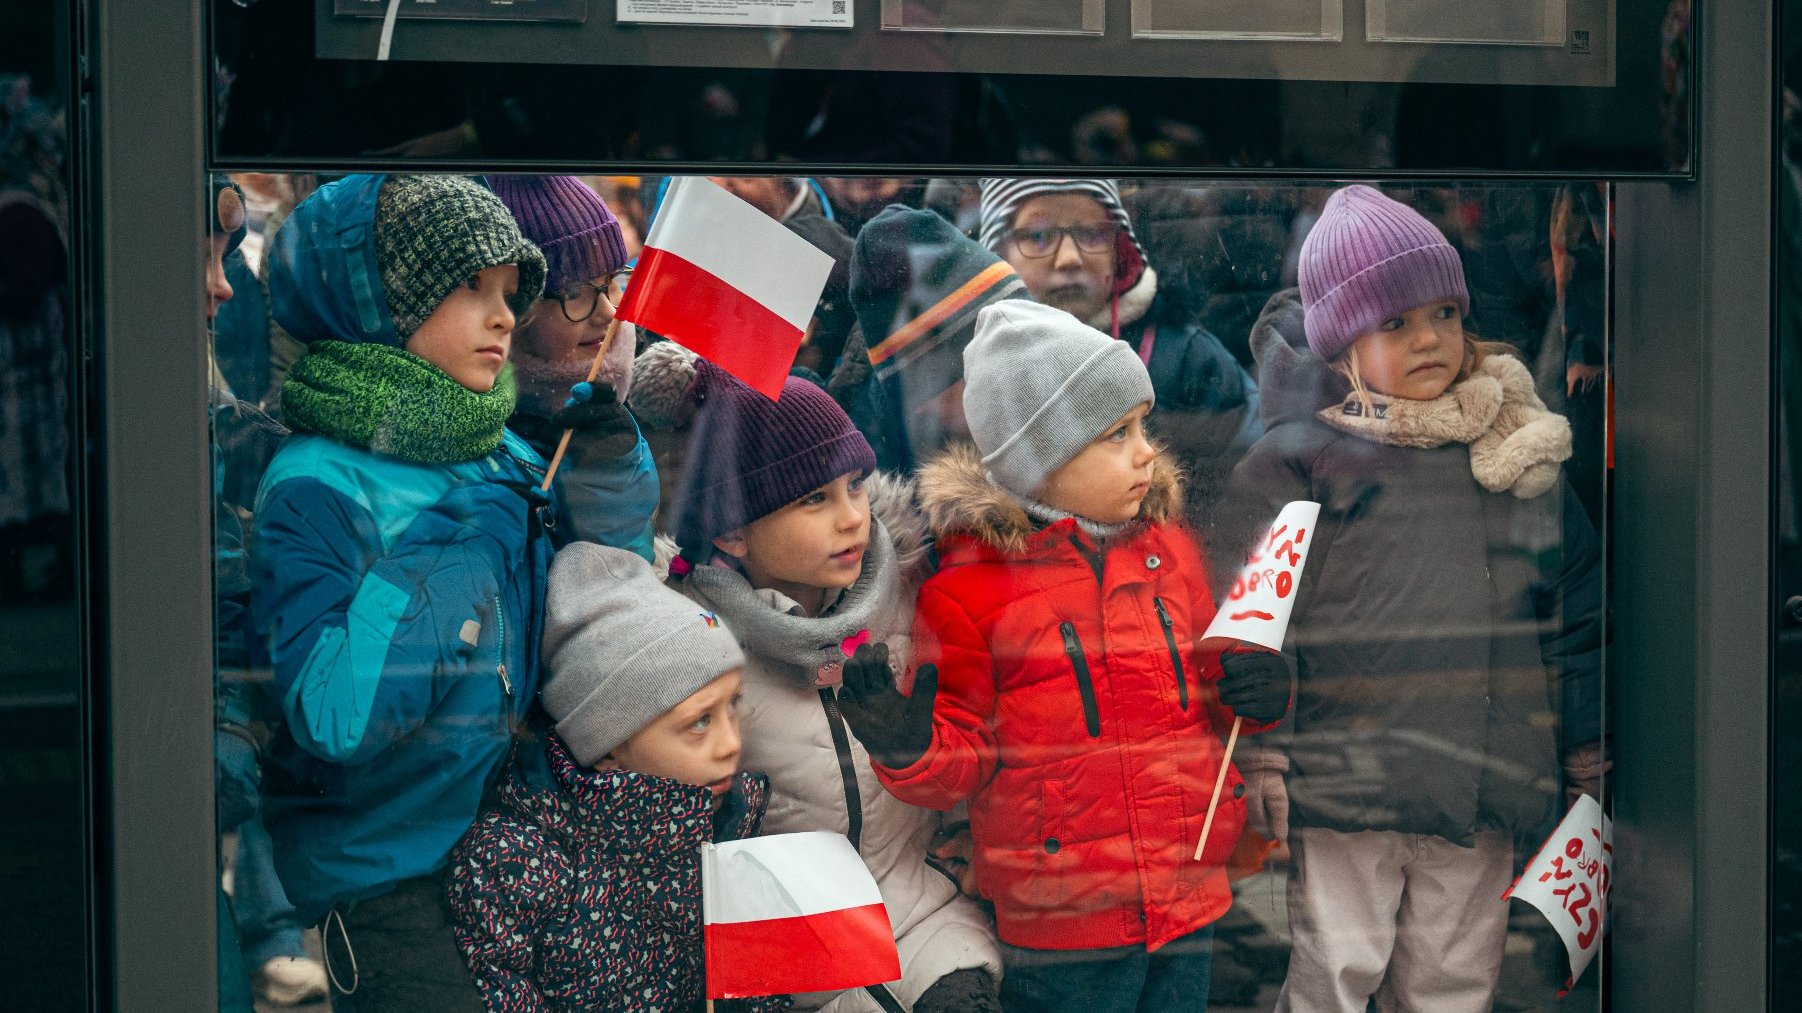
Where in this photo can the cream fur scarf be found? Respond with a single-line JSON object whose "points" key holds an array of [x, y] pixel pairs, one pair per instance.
{"points": [[1516, 444]]}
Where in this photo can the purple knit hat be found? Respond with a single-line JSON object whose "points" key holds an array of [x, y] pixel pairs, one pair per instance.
{"points": [[580, 238], [749, 456], [1370, 258]]}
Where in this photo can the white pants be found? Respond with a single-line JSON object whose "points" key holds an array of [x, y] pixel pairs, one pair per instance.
{"points": [[1415, 920]]}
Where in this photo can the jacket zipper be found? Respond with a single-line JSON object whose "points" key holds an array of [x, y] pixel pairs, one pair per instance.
{"points": [[1085, 685], [500, 668], [1176, 657], [847, 768]]}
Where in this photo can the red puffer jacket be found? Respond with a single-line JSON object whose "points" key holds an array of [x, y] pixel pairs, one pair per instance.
{"points": [[1077, 715]]}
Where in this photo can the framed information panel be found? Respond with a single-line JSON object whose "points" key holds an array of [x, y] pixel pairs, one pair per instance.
{"points": [[1012, 17], [1322, 20]]}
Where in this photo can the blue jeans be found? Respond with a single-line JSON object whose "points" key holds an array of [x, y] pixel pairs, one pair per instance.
{"points": [[267, 925], [1123, 980]]}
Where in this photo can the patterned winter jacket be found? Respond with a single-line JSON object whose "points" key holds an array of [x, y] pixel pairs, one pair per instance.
{"points": [[579, 891]]}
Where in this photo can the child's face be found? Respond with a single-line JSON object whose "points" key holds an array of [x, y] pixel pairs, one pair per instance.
{"points": [[1071, 277], [1109, 478], [470, 333], [815, 543], [1416, 355], [553, 336], [218, 290], [695, 742]]}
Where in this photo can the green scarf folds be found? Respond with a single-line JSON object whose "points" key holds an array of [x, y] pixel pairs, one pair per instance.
{"points": [[393, 402]]}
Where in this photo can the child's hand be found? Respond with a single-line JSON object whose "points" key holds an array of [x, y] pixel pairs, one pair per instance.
{"points": [[895, 729], [1255, 685], [594, 410]]}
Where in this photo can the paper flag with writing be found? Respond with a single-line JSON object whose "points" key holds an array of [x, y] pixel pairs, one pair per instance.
{"points": [[1256, 610]]}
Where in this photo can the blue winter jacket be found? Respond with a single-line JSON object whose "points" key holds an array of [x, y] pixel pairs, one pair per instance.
{"points": [[401, 603]]}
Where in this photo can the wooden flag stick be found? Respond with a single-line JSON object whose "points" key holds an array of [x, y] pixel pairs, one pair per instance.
{"points": [[593, 371], [1226, 760]]}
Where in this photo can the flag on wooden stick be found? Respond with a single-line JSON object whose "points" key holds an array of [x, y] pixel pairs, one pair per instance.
{"points": [[726, 281]]}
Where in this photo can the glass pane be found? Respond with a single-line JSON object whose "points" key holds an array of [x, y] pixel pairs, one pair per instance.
{"points": [[43, 849], [952, 595]]}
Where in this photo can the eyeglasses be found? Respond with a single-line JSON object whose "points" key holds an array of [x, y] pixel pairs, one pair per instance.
{"points": [[1043, 241], [579, 300]]}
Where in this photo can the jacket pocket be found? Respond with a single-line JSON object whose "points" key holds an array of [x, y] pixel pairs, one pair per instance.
{"points": [[1176, 656], [1229, 822], [1085, 683]]}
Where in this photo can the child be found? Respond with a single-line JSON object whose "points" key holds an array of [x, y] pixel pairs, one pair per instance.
{"points": [[400, 565], [775, 508], [608, 470], [1057, 684], [579, 889], [1423, 634]]}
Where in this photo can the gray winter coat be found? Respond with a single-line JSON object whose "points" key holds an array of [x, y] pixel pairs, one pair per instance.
{"points": [[1446, 639]]}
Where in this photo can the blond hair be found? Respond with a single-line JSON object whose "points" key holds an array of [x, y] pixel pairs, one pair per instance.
{"points": [[1475, 351]]}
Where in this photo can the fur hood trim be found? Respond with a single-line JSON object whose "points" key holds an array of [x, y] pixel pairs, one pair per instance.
{"points": [[1135, 302], [958, 499]]}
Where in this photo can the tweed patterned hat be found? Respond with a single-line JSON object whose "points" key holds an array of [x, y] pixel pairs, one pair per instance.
{"points": [[432, 232]]}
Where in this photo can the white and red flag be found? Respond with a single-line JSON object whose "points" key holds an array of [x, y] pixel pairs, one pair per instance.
{"points": [[1570, 881], [726, 281], [792, 913], [1257, 609]]}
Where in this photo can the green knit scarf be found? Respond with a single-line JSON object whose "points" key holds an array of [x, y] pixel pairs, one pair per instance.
{"points": [[394, 402]]}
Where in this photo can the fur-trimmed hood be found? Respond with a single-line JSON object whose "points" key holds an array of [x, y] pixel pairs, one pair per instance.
{"points": [[957, 498]]}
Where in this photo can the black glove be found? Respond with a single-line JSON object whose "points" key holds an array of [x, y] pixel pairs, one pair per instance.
{"points": [[593, 409], [1255, 685], [895, 729]]}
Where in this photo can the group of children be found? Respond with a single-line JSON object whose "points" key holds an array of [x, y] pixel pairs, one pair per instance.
{"points": [[508, 722]]}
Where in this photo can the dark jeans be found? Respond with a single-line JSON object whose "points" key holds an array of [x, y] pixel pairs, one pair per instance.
{"points": [[395, 954], [1123, 980]]}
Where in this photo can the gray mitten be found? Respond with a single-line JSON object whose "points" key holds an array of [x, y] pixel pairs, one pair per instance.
{"points": [[1266, 796]]}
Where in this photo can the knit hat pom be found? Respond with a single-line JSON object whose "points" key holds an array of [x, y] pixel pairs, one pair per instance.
{"points": [[664, 393], [1370, 258]]}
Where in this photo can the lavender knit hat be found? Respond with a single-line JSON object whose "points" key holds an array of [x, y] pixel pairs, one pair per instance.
{"points": [[749, 456], [1370, 258], [580, 238]]}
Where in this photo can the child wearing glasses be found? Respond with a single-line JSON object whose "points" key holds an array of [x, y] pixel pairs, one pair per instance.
{"points": [[1072, 243], [608, 472]]}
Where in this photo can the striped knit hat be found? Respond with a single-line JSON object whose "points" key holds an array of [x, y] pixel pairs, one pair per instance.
{"points": [[1367, 259], [566, 220], [1001, 200]]}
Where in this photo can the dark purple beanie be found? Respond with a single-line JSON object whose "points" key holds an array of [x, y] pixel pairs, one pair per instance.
{"points": [[749, 456], [1367, 259], [580, 238]]}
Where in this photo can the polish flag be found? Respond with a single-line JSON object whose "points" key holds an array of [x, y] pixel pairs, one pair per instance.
{"points": [[793, 913], [726, 281]]}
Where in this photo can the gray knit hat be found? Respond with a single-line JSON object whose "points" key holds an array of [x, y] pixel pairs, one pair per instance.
{"points": [[1040, 385], [432, 232], [621, 648]]}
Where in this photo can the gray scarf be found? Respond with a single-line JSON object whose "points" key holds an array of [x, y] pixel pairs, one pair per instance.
{"points": [[815, 646]]}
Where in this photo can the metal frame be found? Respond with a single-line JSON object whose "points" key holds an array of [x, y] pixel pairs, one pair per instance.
{"points": [[1691, 526], [152, 584]]}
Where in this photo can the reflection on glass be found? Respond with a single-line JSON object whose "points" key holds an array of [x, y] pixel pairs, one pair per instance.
{"points": [[1238, 19], [956, 578]]}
